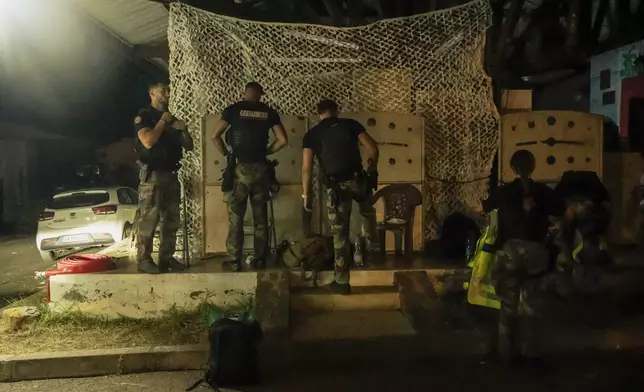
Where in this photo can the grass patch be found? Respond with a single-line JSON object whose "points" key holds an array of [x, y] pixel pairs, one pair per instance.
{"points": [[31, 299], [70, 329], [73, 330]]}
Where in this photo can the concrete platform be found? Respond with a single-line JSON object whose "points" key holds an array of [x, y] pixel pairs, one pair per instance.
{"points": [[125, 292], [144, 296], [140, 296]]}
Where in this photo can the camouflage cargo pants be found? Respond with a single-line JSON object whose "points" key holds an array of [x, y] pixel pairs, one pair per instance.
{"points": [[339, 203], [252, 181], [159, 202], [588, 222], [521, 278]]}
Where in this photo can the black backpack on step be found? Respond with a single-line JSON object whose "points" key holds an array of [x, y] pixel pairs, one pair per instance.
{"points": [[233, 354]]}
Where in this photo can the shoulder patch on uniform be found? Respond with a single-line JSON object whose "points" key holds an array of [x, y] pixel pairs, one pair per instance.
{"points": [[137, 120]]}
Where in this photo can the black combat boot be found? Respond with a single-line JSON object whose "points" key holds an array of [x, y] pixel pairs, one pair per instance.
{"points": [[340, 288], [234, 265], [147, 267], [171, 264], [508, 344], [258, 264]]}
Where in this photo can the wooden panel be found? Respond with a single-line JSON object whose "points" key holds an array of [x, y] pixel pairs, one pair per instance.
{"points": [[407, 168], [215, 220], [213, 162], [516, 100], [531, 130], [289, 170], [400, 140], [621, 175], [290, 158], [288, 217]]}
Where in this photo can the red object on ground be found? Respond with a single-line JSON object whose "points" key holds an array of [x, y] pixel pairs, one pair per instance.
{"points": [[81, 264]]}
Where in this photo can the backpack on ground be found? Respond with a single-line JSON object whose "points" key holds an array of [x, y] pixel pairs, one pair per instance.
{"points": [[313, 253], [234, 357]]}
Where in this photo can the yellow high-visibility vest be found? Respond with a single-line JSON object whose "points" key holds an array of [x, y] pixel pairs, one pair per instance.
{"points": [[480, 290]]}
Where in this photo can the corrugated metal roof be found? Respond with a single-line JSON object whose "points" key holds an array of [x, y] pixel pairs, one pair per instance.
{"points": [[136, 22]]}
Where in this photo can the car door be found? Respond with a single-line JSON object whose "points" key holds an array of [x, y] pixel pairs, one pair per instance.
{"points": [[126, 205], [134, 197]]}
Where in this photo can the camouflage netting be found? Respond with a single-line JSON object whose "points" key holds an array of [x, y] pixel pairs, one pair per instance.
{"points": [[429, 64]]}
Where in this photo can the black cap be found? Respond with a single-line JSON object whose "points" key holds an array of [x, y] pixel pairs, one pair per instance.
{"points": [[255, 86]]}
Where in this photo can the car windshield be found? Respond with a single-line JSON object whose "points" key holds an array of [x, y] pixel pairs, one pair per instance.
{"points": [[79, 199]]}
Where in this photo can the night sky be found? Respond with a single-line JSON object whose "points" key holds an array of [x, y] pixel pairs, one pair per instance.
{"points": [[58, 77]]}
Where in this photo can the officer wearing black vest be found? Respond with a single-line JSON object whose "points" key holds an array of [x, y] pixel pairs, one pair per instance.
{"points": [[248, 123], [159, 142], [336, 143]]}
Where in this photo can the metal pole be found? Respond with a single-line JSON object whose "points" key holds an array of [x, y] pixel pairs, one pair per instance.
{"points": [[186, 253]]}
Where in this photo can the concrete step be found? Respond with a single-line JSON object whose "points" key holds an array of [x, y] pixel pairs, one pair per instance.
{"points": [[448, 278], [360, 324], [361, 298]]}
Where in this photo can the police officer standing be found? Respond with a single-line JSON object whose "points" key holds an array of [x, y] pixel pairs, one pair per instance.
{"points": [[248, 123], [335, 142], [522, 270], [159, 143]]}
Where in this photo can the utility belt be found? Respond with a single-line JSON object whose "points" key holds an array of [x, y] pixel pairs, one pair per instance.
{"points": [[146, 170], [228, 174], [358, 190], [333, 180]]}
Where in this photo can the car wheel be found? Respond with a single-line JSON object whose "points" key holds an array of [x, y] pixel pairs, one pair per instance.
{"points": [[127, 231], [48, 257]]}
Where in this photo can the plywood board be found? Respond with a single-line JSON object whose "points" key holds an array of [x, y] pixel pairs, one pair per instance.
{"points": [[400, 141], [516, 100], [215, 220], [621, 175], [290, 158], [578, 137], [288, 217]]}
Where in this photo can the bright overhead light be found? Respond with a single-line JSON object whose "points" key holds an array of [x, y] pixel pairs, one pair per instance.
{"points": [[12, 9]]}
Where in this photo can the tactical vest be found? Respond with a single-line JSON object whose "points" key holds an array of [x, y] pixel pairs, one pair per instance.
{"points": [[480, 289], [248, 144], [164, 155], [340, 151]]}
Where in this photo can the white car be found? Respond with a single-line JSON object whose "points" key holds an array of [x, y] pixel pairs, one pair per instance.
{"points": [[86, 218]]}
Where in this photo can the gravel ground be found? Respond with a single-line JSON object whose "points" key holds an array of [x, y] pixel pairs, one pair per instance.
{"points": [[19, 259]]}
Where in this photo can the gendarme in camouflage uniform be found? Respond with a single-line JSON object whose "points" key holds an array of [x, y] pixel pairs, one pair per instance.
{"points": [[522, 273], [252, 182], [339, 202], [336, 143], [248, 123], [159, 202], [522, 277], [159, 143]]}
